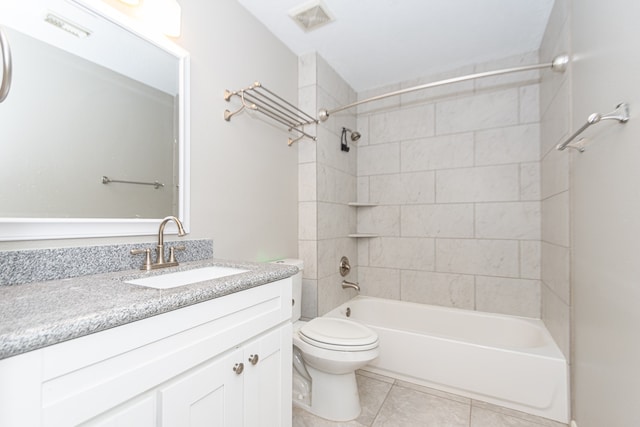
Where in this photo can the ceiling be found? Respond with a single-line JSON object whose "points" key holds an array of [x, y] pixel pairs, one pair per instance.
{"points": [[372, 43]]}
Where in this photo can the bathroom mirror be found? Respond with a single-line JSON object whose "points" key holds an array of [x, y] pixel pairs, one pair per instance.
{"points": [[93, 95]]}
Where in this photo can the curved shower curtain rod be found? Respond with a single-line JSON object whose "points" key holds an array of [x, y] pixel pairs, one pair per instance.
{"points": [[558, 64]]}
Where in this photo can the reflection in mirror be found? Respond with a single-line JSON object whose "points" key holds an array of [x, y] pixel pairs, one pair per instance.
{"points": [[89, 98]]}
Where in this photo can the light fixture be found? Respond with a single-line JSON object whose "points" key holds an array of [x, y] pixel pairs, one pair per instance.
{"points": [[66, 25], [163, 15]]}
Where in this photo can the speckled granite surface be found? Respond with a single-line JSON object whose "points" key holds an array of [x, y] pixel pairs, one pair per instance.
{"points": [[35, 265], [39, 314]]}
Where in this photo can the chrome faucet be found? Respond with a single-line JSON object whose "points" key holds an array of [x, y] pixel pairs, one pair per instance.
{"points": [[160, 260], [346, 285]]}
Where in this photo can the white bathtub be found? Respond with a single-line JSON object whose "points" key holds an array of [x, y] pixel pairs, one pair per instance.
{"points": [[506, 360]]}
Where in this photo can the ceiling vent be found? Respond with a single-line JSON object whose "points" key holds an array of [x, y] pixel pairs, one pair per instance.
{"points": [[311, 15]]}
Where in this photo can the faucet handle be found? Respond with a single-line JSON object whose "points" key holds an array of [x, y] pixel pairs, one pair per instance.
{"points": [[147, 258], [172, 255]]}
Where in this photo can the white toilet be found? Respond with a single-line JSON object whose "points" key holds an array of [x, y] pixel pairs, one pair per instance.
{"points": [[326, 353]]}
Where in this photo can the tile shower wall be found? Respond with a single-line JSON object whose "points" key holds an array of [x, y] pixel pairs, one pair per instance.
{"points": [[455, 172], [555, 101], [326, 184]]}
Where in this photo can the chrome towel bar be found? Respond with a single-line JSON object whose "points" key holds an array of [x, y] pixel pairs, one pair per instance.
{"points": [[258, 98], [621, 114], [107, 180], [6, 66]]}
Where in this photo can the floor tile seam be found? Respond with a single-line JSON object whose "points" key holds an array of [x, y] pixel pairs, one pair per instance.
{"points": [[437, 395], [509, 413], [386, 397]]}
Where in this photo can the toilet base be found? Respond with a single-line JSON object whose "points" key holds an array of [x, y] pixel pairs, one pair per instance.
{"points": [[333, 397]]}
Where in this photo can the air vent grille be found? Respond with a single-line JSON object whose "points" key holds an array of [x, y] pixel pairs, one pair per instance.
{"points": [[311, 15]]}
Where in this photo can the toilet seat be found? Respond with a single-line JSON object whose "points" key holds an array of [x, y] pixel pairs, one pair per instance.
{"points": [[333, 333]]}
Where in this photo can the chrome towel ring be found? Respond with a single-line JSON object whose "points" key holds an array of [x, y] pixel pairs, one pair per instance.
{"points": [[6, 66]]}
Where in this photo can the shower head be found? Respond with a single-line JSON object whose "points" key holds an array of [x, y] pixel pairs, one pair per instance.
{"points": [[355, 135]]}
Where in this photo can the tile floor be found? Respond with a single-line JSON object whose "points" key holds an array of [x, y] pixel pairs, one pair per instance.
{"points": [[387, 402]]}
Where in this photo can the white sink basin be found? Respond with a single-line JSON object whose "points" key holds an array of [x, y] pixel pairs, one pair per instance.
{"points": [[181, 278]]}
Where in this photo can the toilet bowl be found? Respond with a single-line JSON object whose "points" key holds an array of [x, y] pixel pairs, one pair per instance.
{"points": [[326, 353]]}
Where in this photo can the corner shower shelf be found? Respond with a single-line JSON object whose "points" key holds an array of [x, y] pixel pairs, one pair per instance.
{"points": [[362, 204]]}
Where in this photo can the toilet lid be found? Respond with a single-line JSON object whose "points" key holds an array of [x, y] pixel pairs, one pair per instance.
{"points": [[338, 334]]}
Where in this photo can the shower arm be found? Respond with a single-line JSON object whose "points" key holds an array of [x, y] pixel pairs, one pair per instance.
{"points": [[559, 64]]}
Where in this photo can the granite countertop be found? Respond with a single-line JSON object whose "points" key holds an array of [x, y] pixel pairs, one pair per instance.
{"points": [[39, 314]]}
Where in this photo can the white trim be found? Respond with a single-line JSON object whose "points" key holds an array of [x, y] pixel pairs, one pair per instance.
{"points": [[13, 229]]}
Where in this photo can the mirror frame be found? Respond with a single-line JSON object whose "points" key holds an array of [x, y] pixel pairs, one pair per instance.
{"points": [[18, 229]]}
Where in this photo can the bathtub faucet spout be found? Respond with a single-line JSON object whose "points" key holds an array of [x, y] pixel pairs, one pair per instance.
{"points": [[346, 285]]}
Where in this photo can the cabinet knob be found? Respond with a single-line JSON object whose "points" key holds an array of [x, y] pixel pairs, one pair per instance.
{"points": [[254, 359], [238, 368]]}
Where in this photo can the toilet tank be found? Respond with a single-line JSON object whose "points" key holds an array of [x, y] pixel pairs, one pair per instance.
{"points": [[296, 287]]}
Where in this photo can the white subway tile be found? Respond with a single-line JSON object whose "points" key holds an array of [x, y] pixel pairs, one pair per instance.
{"points": [[515, 220], [335, 220], [379, 159], [307, 182], [329, 153], [530, 181], [307, 70], [483, 184], [518, 297], [474, 256], [556, 266], [515, 144], [446, 220], [308, 252], [408, 188], [307, 220], [331, 294], [555, 173], [363, 189], [555, 121], [451, 290], [511, 79], [530, 259], [335, 185], [555, 219], [379, 282], [309, 298], [363, 252], [381, 220], [404, 253], [441, 152], [401, 125], [483, 111], [331, 250], [438, 92], [556, 315], [530, 103], [386, 104]]}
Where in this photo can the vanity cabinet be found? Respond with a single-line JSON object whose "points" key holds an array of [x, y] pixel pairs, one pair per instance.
{"points": [[242, 388], [180, 368]]}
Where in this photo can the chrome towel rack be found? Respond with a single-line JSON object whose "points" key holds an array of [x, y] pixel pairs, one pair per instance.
{"points": [[258, 98], [107, 180], [621, 114]]}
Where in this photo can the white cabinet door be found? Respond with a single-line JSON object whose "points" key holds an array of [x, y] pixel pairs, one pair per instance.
{"points": [[267, 381], [140, 412], [207, 396]]}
